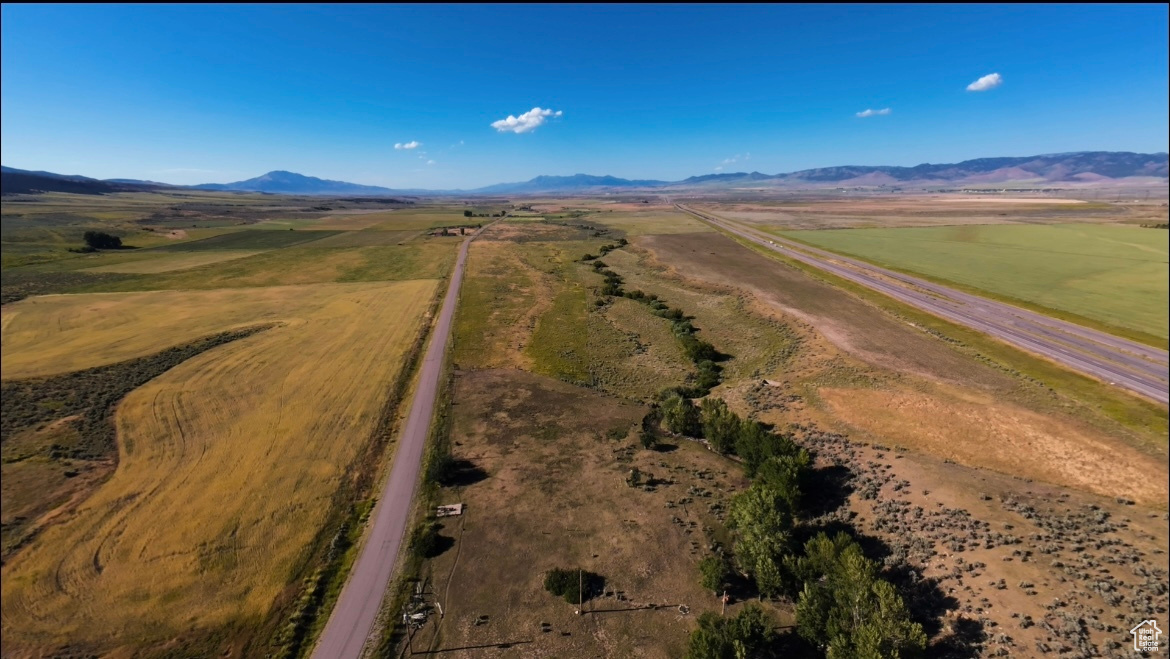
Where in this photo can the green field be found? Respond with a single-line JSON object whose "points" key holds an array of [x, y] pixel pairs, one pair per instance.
{"points": [[249, 239], [1113, 275]]}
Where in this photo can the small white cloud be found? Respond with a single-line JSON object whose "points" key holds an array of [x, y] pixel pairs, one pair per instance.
{"points": [[874, 113], [989, 81], [526, 122], [408, 146], [719, 168], [430, 162]]}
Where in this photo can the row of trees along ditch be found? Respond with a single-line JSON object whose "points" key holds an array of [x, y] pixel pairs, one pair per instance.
{"points": [[844, 607]]}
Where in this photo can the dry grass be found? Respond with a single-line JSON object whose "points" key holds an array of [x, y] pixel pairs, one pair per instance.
{"points": [[857, 328], [995, 434], [554, 495], [498, 306], [168, 262], [663, 221], [633, 352], [867, 372], [227, 466]]}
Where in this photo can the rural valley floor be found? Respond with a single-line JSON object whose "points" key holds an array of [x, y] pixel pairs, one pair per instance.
{"points": [[1020, 509]]}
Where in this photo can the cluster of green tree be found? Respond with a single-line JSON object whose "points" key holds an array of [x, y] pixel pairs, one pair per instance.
{"points": [[1160, 225], [766, 456], [748, 634], [95, 240], [843, 606], [471, 214], [575, 586]]}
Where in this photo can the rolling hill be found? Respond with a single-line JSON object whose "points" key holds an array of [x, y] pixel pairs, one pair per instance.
{"points": [[20, 181]]}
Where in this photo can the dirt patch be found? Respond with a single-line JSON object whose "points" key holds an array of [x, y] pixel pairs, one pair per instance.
{"points": [[1003, 437], [849, 323]]}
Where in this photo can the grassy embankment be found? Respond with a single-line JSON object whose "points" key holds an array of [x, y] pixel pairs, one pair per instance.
{"points": [[1146, 419]]}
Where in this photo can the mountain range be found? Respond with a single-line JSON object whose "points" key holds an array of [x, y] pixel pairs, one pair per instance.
{"points": [[1082, 167]]}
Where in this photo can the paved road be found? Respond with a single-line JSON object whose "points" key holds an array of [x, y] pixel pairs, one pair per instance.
{"points": [[353, 616], [1139, 368]]}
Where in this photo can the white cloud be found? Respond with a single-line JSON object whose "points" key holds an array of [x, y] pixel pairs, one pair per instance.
{"points": [[719, 168], [874, 113], [989, 81], [408, 146], [526, 122], [430, 162], [734, 159]]}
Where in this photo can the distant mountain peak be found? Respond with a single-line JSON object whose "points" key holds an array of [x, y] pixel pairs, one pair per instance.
{"points": [[281, 181]]}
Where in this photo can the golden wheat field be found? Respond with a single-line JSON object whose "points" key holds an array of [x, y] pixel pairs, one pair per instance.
{"points": [[227, 462], [52, 334]]}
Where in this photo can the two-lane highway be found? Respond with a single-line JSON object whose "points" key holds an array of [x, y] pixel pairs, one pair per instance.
{"points": [[1139, 368], [357, 608]]}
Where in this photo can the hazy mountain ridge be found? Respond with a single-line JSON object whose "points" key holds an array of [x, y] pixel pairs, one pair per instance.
{"points": [[1076, 167], [574, 182], [1052, 167]]}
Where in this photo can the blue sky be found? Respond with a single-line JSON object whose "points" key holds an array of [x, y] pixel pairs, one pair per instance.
{"points": [[193, 94]]}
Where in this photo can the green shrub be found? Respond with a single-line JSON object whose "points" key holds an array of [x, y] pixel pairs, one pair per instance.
{"points": [[568, 583], [714, 573]]}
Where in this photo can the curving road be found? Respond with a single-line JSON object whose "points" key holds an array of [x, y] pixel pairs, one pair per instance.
{"points": [[1139, 368], [353, 616]]}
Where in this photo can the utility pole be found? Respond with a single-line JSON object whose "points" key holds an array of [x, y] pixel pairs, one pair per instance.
{"points": [[580, 592], [723, 613]]}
